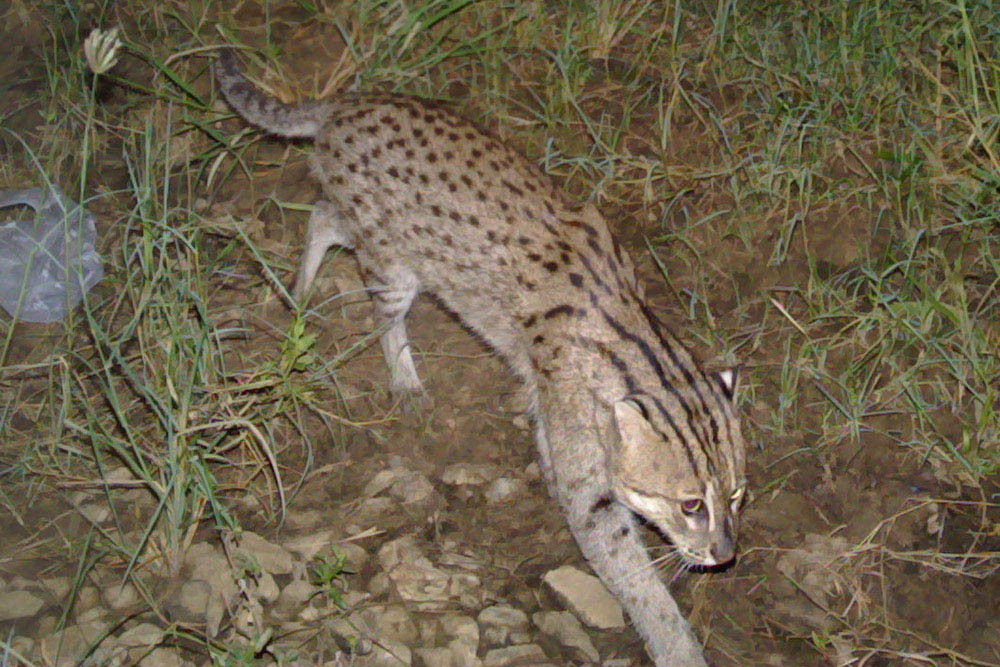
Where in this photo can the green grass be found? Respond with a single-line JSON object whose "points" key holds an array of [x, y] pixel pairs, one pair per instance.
{"points": [[818, 188]]}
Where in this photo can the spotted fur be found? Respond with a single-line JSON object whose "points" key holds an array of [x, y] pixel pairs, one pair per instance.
{"points": [[627, 421]]}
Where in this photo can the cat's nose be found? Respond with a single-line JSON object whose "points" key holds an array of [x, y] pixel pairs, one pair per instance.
{"points": [[723, 551], [723, 547]]}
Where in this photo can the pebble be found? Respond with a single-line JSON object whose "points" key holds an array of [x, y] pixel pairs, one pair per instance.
{"points": [[586, 597], [565, 628]]}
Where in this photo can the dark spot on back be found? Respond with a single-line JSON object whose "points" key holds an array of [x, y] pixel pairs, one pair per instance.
{"points": [[601, 503]]}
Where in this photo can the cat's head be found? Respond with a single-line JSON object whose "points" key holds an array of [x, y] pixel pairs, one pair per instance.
{"points": [[680, 464]]}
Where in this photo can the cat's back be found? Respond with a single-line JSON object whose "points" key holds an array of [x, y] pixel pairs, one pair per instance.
{"points": [[422, 186]]}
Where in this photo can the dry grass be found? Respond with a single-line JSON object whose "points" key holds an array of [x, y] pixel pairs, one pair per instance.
{"points": [[817, 188]]}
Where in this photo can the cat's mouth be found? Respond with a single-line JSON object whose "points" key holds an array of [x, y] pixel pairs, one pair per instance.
{"points": [[693, 561]]}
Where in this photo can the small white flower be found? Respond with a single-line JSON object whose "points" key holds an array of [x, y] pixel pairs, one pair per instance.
{"points": [[101, 50]]}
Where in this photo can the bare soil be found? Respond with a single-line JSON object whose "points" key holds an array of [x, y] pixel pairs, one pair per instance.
{"points": [[852, 547]]}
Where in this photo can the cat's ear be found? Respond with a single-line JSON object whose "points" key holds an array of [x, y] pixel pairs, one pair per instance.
{"points": [[642, 455], [728, 381], [633, 422]]}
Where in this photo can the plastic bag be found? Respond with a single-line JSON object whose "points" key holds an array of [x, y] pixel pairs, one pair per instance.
{"points": [[47, 261]]}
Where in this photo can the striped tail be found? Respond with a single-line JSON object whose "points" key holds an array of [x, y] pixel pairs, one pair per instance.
{"points": [[264, 111]]}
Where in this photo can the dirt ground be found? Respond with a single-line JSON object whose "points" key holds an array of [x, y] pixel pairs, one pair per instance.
{"points": [[851, 552]]}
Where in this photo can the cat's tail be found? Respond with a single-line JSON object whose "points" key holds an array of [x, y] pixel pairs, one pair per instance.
{"points": [[262, 110]]}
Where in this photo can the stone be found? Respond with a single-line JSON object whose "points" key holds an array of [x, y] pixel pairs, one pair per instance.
{"points": [[23, 645], [271, 557], [304, 520], [68, 646], [121, 596], [267, 588], [503, 489], [355, 556], [58, 586], [191, 600], [382, 480], [391, 622], [163, 657], [19, 604], [386, 653], [309, 546], [415, 579], [586, 597], [144, 634], [95, 513], [413, 489], [566, 629], [512, 655], [460, 628], [435, 657], [372, 509], [209, 565], [501, 625], [294, 596], [468, 474]]}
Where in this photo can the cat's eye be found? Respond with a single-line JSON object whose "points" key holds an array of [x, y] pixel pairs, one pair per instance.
{"points": [[737, 494], [692, 506]]}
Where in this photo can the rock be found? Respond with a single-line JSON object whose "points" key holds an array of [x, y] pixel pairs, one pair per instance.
{"points": [[308, 546], [348, 637], [305, 520], [512, 655], [468, 474], [59, 586], [87, 597], [18, 604], [435, 657], [463, 654], [501, 625], [391, 622], [93, 615], [586, 597], [267, 588], [144, 634], [413, 489], [461, 628], [412, 576], [565, 628], [23, 645], [503, 489], [379, 585], [163, 657], [209, 565], [68, 646], [355, 556], [386, 653], [120, 597], [190, 603], [96, 513], [294, 596], [372, 509], [271, 557], [382, 480]]}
